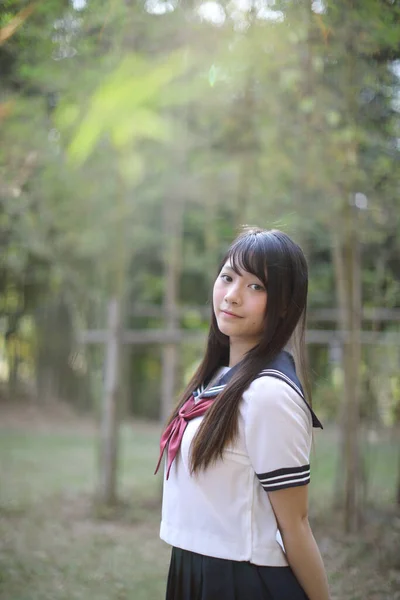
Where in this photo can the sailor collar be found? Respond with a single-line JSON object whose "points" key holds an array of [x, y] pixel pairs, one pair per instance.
{"points": [[281, 367]]}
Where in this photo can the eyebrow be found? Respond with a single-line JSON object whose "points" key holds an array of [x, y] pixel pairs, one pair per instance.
{"points": [[228, 267]]}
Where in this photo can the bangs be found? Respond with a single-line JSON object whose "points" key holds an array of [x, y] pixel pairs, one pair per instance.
{"points": [[250, 254]]}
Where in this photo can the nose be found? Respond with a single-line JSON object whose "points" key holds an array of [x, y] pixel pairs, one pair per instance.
{"points": [[232, 295]]}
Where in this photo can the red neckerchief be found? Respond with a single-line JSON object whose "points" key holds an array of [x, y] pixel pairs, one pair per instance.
{"points": [[174, 432]]}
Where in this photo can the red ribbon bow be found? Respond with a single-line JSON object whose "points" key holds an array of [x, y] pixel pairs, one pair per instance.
{"points": [[174, 432]]}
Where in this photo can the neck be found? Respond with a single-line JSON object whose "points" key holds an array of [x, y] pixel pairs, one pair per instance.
{"points": [[237, 350]]}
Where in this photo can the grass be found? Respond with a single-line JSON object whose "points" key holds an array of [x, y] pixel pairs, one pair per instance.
{"points": [[51, 544], [55, 546]]}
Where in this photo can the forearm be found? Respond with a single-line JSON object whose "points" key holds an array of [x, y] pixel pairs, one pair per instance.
{"points": [[305, 560]]}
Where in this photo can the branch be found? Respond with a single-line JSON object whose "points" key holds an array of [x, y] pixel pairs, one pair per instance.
{"points": [[8, 30]]}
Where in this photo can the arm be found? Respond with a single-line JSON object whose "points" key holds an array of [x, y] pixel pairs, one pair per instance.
{"points": [[290, 508], [278, 438]]}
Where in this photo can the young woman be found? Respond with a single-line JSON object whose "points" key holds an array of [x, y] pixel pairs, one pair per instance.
{"points": [[238, 444]]}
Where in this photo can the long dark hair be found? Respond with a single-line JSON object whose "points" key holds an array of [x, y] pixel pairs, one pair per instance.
{"points": [[279, 263]]}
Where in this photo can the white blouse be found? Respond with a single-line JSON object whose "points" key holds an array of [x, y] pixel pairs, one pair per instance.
{"points": [[224, 511]]}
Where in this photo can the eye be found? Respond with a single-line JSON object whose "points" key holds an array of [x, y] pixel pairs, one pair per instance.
{"points": [[226, 278], [257, 287]]}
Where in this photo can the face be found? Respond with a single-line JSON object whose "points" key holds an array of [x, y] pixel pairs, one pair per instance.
{"points": [[240, 303]]}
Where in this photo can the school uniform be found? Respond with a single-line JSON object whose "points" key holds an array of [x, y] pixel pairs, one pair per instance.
{"points": [[220, 522]]}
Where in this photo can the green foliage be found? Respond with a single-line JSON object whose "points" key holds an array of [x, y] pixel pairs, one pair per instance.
{"points": [[124, 106], [118, 113]]}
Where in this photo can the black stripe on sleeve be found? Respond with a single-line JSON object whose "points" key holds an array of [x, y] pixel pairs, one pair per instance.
{"points": [[281, 479]]}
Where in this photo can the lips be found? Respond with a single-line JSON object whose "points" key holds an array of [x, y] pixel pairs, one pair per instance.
{"points": [[230, 314]]}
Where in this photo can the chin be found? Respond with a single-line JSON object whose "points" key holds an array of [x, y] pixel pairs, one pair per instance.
{"points": [[226, 330], [223, 330]]}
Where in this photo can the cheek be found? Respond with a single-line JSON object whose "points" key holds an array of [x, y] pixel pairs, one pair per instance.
{"points": [[218, 294], [259, 310]]}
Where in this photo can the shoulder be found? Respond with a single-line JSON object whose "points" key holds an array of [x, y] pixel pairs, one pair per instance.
{"points": [[270, 388], [271, 392], [264, 385]]}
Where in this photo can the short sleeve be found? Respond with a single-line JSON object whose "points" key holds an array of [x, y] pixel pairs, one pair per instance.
{"points": [[278, 434]]}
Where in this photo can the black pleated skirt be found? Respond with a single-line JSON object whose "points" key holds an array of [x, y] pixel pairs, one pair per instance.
{"points": [[197, 577]]}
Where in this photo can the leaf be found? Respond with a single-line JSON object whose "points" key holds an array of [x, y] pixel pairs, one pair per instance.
{"points": [[144, 124], [125, 105], [67, 115]]}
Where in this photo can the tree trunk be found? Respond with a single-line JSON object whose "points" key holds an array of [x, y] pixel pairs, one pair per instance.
{"points": [[109, 413], [172, 266], [13, 359], [348, 278], [398, 483], [351, 468], [338, 263], [55, 342], [246, 146], [211, 237]]}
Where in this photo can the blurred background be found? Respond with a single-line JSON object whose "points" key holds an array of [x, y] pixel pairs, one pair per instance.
{"points": [[135, 139]]}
